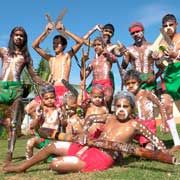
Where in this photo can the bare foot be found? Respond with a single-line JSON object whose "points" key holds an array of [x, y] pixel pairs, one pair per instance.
{"points": [[13, 168]]}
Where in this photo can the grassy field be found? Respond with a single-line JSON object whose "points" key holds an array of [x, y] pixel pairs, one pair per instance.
{"points": [[133, 168]]}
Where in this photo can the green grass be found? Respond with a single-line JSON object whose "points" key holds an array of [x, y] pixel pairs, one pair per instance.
{"points": [[133, 168]]}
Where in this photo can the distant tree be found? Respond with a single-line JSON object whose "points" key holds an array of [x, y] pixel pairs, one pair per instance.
{"points": [[43, 69]]}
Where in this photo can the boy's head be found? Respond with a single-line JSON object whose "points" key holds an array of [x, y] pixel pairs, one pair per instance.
{"points": [[169, 24], [168, 17], [59, 43], [97, 95], [136, 30], [69, 100], [132, 81], [48, 95], [48, 88], [99, 45], [108, 30], [124, 105]]}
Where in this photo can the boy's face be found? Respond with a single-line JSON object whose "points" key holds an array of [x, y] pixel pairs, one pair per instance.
{"points": [[97, 98], [57, 46], [49, 99], [170, 27], [122, 109], [107, 33], [18, 38], [98, 47], [138, 35], [132, 85]]}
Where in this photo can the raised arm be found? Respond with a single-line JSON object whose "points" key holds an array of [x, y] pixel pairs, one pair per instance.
{"points": [[48, 29]]}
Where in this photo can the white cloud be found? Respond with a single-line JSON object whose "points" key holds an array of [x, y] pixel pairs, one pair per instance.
{"points": [[151, 14]]}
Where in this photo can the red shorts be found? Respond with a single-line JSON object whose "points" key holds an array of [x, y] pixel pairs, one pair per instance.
{"points": [[151, 125], [105, 83], [95, 159]]}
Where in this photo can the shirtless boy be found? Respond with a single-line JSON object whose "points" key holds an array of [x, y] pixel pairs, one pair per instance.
{"points": [[101, 68], [48, 116], [14, 59]]}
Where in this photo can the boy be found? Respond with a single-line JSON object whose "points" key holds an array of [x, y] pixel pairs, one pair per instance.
{"points": [[101, 68], [144, 103], [47, 115]]}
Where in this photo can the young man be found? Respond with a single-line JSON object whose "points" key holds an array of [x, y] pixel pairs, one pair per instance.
{"points": [[119, 129], [14, 59], [170, 70], [139, 56], [171, 54]]}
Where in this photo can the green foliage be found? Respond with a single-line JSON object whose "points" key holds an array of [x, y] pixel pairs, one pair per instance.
{"points": [[43, 70]]}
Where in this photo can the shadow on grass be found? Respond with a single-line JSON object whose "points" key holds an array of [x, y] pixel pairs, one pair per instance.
{"points": [[131, 159]]}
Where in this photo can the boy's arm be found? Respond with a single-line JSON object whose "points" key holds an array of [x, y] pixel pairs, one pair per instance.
{"points": [[110, 56], [33, 75], [126, 60], [143, 130], [91, 31], [152, 97], [48, 29]]}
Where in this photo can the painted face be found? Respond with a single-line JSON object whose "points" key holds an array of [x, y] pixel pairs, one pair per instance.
{"points": [[170, 27], [57, 46], [98, 47], [18, 38], [49, 99], [97, 98], [122, 109], [137, 35], [132, 85], [107, 34]]}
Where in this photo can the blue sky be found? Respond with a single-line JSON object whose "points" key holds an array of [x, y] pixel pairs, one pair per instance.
{"points": [[81, 16]]}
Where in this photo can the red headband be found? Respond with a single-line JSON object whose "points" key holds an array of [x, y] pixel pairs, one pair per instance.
{"points": [[95, 89], [136, 28]]}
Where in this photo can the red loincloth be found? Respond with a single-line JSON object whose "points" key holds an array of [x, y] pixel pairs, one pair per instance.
{"points": [[95, 159], [106, 83]]}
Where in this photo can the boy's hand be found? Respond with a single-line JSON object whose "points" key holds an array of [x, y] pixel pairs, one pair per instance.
{"points": [[49, 27], [60, 26]]}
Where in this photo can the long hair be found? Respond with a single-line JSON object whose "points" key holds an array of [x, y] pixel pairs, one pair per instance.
{"points": [[24, 47]]}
